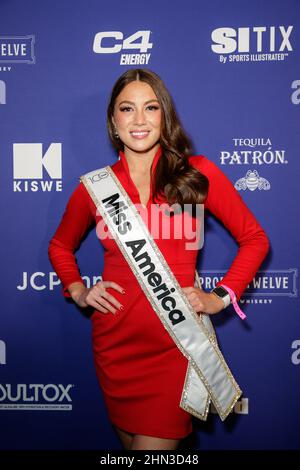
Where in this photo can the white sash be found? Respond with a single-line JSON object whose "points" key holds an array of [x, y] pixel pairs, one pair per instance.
{"points": [[208, 377]]}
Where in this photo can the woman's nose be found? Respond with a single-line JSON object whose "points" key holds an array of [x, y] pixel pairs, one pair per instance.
{"points": [[139, 116]]}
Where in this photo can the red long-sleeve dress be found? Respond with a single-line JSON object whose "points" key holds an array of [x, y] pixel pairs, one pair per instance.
{"points": [[140, 369]]}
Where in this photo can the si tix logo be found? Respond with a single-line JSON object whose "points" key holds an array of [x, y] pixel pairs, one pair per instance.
{"points": [[256, 39], [112, 42]]}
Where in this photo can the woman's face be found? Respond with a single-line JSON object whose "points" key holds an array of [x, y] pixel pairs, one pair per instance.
{"points": [[137, 117]]}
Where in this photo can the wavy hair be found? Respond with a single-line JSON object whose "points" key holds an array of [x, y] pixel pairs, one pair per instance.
{"points": [[179, 181]]}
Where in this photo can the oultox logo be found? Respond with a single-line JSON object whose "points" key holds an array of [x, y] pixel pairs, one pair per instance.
{"points": [[252, 44], [17, 49], [35, 397], [114, 42], [33, 171]]}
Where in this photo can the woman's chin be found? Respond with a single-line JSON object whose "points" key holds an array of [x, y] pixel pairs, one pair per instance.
{"points": [[140, 147]]}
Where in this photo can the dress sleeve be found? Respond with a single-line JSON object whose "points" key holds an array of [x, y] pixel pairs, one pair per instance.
{"points": [[225, 202], [77, 218]]}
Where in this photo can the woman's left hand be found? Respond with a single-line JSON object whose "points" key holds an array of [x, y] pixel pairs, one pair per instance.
{"points": [[203, 302]]}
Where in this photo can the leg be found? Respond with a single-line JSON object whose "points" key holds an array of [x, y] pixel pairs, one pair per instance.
{"points": [[141, 442], [125, 437]]}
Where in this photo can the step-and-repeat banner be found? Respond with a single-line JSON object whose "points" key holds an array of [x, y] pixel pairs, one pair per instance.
{"points": [[233, 69]]}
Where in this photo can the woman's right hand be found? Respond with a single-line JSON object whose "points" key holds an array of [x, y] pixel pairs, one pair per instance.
{"points": [[98, 297]]}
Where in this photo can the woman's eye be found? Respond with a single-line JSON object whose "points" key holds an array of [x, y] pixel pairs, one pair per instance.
{"points": [[152, 107]]}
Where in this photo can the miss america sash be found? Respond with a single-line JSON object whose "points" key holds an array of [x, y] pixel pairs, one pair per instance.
{"points": [[208, 378]]}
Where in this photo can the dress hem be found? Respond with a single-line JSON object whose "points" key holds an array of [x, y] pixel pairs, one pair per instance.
{"points": [[152, 433]]}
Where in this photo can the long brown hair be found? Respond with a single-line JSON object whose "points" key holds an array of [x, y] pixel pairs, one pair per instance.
{"points": [[180, 182]]}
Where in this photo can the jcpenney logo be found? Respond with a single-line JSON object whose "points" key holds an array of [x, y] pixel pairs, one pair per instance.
{"points": [[48, 281]]}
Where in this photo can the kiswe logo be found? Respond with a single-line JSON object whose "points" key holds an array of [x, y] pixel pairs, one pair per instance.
{"points": [[29, 164]]}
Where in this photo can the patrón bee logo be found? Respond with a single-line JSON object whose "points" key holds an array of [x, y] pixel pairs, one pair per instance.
{"points": [[252, 181]]}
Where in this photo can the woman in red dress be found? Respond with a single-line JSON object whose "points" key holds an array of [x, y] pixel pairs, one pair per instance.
{"points": [[140, 369]]}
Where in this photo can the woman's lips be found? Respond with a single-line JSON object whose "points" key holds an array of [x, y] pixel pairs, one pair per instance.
{"points": [[139, 134]]}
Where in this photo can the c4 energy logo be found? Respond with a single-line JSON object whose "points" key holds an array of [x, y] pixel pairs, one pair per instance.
{"points": [[256, 44], [30, 166], [114, 42]]}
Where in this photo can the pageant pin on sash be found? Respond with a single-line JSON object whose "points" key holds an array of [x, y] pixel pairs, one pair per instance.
{"points": [[208, 378]]}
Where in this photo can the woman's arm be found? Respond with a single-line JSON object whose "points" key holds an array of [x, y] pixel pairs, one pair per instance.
{"points": [[225, 202], [76, 220]]}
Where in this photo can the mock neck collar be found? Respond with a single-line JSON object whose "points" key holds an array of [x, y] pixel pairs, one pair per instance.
{"points": [[124, 162]]}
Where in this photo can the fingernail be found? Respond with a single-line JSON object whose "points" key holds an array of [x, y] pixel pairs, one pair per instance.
{"points": [[121, 307], [123, 291]]}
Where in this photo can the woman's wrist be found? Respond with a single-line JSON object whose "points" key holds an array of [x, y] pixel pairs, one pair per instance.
{"points": [[234, 301], [76, 290], [217, 302], [221, 293]]}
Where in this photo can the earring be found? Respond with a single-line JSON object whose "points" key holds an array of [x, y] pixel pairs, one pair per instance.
{"points": [[116, 133]]}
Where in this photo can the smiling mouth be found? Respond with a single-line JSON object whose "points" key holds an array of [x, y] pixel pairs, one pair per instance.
{"points": [[139, 134]]}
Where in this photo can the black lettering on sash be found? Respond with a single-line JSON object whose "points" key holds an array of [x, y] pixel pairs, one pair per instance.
{"points": [[116, 206], [114, 210], [154, 279], [176, 316], [113, 201], [168, 299], [166, 291], [147, 262], [136, 246]]}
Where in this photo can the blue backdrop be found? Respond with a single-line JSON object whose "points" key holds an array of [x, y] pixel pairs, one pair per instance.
{"points": [[233, 70]]}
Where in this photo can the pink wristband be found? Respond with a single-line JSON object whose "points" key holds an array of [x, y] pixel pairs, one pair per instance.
{"points": [[234, 302]]}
